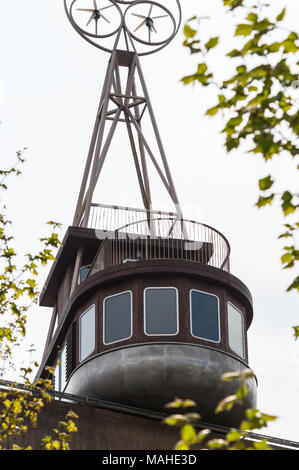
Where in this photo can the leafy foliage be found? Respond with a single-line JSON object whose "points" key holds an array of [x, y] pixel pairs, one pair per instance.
{"points": [[235, 439], [20, 407], [62, 435], [259, 100]]}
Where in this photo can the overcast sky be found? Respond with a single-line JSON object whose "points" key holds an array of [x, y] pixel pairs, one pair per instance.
{"points": [[50, 82]]}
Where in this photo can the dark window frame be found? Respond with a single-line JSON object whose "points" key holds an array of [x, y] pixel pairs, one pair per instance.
{"points": [[218, 312], [57, 387], [131, 315], [177, 310], [80, 329], [242, 332]]}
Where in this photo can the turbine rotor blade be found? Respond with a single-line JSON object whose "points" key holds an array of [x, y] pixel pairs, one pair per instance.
{"points": [[155, 17], [141, 24], [104, 8], [90, 20], [104, 18], [139, 16]]}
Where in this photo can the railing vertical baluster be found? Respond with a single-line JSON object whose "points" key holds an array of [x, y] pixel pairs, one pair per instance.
{"points": [[162, 240]]}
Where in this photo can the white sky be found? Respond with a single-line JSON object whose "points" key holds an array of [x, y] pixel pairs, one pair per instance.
{"points": [[50, 82]]}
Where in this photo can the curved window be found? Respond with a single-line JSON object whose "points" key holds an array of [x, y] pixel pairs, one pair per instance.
{"points": [[235, 330], [63, 369], [117, 318], [87, 333], [161, 311], [204, 309], [56, 379], [59, 377]]}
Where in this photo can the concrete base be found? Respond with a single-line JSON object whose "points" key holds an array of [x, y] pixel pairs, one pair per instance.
{"points": [[103, 429], [109, 429]]}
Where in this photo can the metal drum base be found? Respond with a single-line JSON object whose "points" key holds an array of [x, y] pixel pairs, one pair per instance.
{"points": [[150, 375]]}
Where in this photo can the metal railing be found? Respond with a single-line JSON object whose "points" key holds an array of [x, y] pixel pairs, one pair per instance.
{"points": [[109, 218], [163, 238]]}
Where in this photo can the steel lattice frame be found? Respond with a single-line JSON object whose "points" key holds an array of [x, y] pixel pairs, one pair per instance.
{"points": [[128, 108]]}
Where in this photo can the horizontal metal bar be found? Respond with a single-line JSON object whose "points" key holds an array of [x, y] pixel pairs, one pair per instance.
{"points": [[107, 206], [112, 119], [119, 95]]}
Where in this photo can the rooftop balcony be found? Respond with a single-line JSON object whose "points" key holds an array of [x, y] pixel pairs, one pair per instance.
{"points": [[154, 235]]}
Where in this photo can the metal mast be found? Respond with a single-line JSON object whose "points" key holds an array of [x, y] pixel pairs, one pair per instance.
{"points": [[141, 24], [119, 102]]}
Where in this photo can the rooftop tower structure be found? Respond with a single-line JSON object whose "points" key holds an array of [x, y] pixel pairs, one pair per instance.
{"points": [[143, 300]]}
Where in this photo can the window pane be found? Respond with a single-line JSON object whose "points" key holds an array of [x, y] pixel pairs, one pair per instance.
{"points": [[63, 369], [117, 318], [205, 316], [235, 330], [57, 379], [161, 311], [84, 270], [87, 333]]}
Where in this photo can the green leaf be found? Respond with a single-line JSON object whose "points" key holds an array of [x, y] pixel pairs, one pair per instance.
{"points": [[294, 285], [188, 403], [242, 392], [296, 331], [233, 122], [179, 403], [234, 435], [226, 404], [72, 415], [189, 32], [217, 443], [212, 43], [202, 435], [263, 201], [281, 15], [290, 46], [181, 445], [192, 416], [286, 258], [262, 445], [188, 79], [174, 420], [212, 111], [234, 53], [188, 433], [267, 417], [287, 205], [244, 30], [201, 68], [231, 376], [265, 183], [232, 4], [252, 17], [242, 374]]}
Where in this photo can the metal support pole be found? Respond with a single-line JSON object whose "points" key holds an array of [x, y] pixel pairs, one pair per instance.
{"points": [[124, 96], [99, 139], [77, 267], [76, 220], [51, 331], [158, 138]]}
